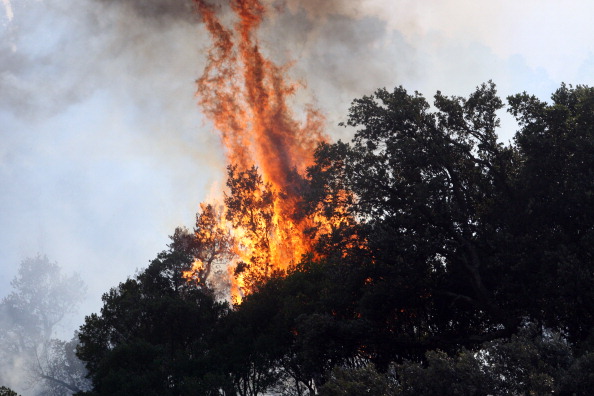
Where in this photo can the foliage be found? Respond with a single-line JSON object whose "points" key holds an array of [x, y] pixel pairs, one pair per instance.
{"points": [[151, 337], [471, 236], [42, 296], [358, 381], [250, 204], [555, 230], [531, 362], [579, 378], [212, 243], [61, 369], [447, 263], [4, 391]]}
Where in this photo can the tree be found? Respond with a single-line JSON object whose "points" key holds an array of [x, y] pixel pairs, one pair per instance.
{"points": [[533, 362], [447, 263], [151, 337], [247, 348], [62, 372], [428, 190], [359, 381], [466, 236], [42, 296], [250, 208], [213, 245], [555, 226], [291, 332]]}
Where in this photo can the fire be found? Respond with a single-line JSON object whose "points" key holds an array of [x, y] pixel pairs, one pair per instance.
{"points": [[193, 273], [245, 95]]}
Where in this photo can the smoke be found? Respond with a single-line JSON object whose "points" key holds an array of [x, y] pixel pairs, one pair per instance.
{"points": [[59, 53], [8, 8], [104, 150], [342, 49], [159, 11], [338, 46], [339, 59]]}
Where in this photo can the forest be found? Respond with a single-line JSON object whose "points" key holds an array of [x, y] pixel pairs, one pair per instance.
{"points": [[441, 261]]}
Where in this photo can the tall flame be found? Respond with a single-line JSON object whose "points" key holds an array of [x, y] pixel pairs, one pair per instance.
{"points": [[245, 95]]}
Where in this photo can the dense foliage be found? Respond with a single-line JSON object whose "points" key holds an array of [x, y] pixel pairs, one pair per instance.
{"points": [[153, 334], [4, 391], [455, 264]]}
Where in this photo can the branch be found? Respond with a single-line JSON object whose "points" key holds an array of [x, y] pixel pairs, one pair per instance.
{"points": [[71, 387]]}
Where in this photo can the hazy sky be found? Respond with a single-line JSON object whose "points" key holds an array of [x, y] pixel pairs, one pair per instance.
{"points": [[103, 151]]}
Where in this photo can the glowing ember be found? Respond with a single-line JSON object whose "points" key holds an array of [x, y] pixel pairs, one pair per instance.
{"points": [[245, 95]]}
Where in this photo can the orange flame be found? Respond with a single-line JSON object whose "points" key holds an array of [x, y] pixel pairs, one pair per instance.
{"points": [[245, 95], [193, 273]]}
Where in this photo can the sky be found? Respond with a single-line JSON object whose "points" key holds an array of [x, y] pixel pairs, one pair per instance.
{"points": [[104, 151]]}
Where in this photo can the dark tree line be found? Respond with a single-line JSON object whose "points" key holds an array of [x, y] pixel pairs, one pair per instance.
{"points": [[448, 263]]}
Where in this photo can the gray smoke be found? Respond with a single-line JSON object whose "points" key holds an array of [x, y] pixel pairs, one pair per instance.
{"points": [[58, 52], [157, 10], [103, 151], [333, 45]]}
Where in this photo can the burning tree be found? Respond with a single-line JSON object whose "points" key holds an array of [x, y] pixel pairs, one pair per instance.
{"points": [[424, 234], [468, 242], [245, 95], [210, 246], [251, 209]]}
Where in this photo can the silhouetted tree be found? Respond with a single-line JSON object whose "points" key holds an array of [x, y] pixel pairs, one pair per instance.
{"points": [[468, 236], [447, 263], [152, 335], [4, 391]]}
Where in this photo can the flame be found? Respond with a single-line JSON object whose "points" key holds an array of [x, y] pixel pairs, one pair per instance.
{"points": [[245, 95], [193, 273]]}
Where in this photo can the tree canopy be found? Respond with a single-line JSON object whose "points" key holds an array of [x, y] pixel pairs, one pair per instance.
{"points": [[445, 262], [152, 335]]}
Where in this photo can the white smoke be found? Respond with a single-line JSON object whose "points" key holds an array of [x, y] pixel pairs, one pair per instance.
{"points": [[103, 150], [8, 8]]}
